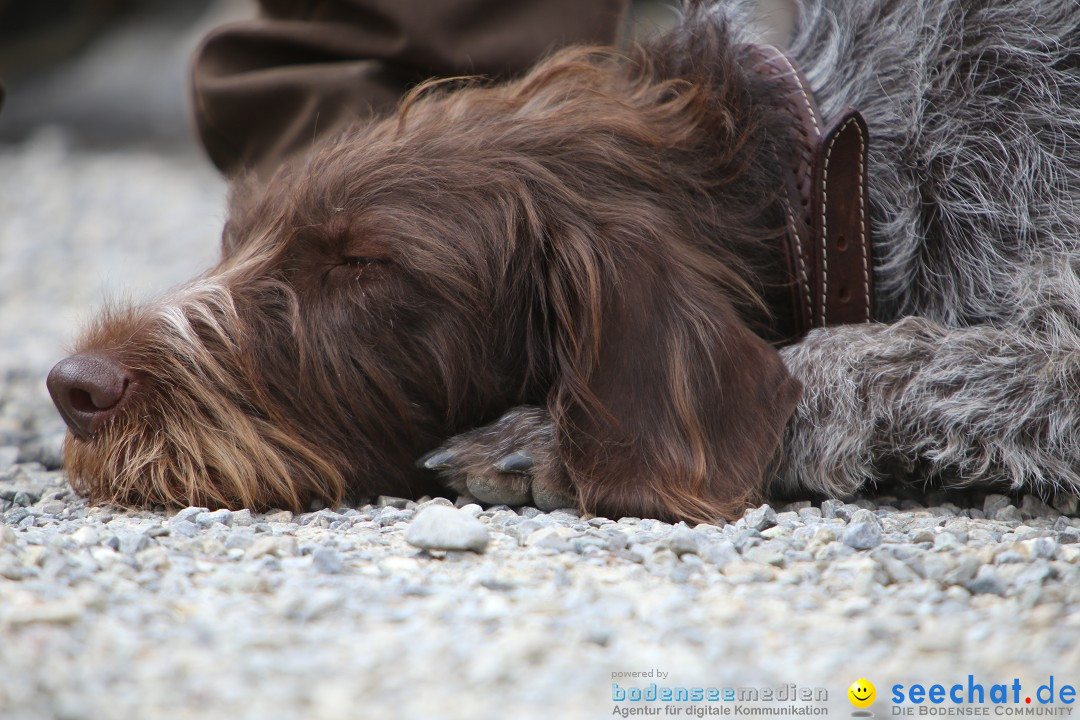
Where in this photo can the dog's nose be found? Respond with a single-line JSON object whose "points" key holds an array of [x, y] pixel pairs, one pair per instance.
{"points": [[87, 388]]}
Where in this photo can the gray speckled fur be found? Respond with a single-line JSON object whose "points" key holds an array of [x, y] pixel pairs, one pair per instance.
{"points": [[974, 113]]}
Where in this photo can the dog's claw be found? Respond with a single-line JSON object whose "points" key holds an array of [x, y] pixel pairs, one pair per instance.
{"points": [[518, 462], [440, 459], [509, 462]]}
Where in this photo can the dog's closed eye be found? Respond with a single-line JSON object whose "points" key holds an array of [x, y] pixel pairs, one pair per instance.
{"points": [[364, 260]]}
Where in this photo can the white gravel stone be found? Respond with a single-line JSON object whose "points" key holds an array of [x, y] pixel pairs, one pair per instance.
{"points": [[986, 581], [206, 519], [865, 516], [272, 545], [1042, 548], [683, 540], [760, 518], [189, 514], [446, 528], [86, 536], [327, 560], [1009, 513], [862, 535], [471, 509], [552, 538], [992, 503], [242, 518], [183, 528]]}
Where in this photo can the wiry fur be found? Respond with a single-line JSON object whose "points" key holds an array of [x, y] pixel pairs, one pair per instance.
{"points": [[974, 114]]}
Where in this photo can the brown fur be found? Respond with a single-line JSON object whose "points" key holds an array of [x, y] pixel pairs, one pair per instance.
{"points": [[579, 239]]}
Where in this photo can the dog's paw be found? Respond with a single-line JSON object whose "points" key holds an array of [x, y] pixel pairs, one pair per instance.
{"points": [[512, 461]]}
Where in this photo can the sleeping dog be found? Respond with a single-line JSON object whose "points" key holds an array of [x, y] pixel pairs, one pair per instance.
{"points": [[666, 281]]}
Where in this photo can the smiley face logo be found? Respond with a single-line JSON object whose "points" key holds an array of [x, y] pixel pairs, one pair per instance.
{"points": [[862, 693]]}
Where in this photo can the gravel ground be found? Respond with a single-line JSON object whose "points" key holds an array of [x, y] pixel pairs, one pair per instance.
{"points": [[365, 612]]}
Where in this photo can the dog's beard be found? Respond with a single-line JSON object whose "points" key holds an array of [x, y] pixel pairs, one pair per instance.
{"points": [[185, 454], [199, 429]]}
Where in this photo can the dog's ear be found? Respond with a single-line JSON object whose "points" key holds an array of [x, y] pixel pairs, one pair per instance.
{"points": [[665, 404]]}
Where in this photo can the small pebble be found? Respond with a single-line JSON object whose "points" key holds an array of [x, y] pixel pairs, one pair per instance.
{"points": [[683, 540], [1009, 513], [831, 508], [242, 518], [52, 507], [327, 560], [444, 528], [986, 582], [862, 535], [189, 513], [277, 546], [760, 518], [183, 528], [86, 536], [206, 519], [279, 516]]}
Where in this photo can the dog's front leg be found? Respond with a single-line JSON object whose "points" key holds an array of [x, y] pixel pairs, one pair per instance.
{"points": [[512, 461], [914, 400]]}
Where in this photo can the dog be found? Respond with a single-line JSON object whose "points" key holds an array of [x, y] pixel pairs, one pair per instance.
{"points": [[577, 288]]}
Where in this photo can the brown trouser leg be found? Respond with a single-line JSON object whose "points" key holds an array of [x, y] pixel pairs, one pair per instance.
{"points": [[266, 88]]}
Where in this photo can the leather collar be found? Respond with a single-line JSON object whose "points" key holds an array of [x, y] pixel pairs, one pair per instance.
{"points": [[827, 247]]}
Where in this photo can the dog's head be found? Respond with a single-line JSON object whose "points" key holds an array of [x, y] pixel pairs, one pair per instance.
{"points": [[583, 238]]}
